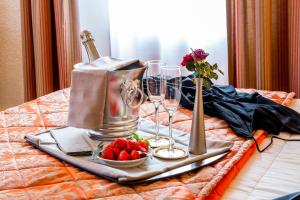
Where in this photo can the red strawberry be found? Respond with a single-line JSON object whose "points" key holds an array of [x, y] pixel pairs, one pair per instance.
{"points": [[120, 143], [109, 146], [140, 148], [108, 153], [143, 144], [130, 146], [124, 155], [142, 154], [116, 152], [134, 155]]}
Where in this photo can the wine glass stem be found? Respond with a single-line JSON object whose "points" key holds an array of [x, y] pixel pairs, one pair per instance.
{"points": [[156, 104], [170, 132]]}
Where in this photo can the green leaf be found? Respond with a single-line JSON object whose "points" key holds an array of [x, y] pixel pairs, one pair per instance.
{"points": [[215, 66], [214, 75], [136, 136], [100, 145], [221, 71], [190, 66], [207, 83]]}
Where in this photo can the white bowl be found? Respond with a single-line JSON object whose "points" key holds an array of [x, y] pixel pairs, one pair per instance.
{"points": [[121, 163]]}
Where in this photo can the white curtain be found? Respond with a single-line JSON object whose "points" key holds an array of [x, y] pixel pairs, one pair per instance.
{"points": [[167, 29]]}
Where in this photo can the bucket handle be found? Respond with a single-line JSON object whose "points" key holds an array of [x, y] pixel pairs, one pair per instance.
{"points": [[129, 90]]}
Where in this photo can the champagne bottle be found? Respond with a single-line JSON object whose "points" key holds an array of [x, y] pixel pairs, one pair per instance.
{"points": [[97, 61], [88, 42]]}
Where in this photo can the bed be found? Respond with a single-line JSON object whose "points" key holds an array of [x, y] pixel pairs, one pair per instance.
{"points": [[272, 173], [27, 173]]}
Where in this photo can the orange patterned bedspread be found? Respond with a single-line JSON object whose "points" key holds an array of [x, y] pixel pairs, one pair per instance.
{"points": [[27, 173]]}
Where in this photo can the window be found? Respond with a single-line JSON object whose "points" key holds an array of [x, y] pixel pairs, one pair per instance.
{"points": [[155, 29]]}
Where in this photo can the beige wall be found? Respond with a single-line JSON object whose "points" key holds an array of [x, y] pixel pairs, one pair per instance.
{"points": [[11, 75]]}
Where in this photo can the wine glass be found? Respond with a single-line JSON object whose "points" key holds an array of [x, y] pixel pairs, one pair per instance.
{"points": [[154, 93], [171, 94]]}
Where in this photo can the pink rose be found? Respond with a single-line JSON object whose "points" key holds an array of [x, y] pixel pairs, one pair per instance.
{"points": [[187, 58], [200, 54]]}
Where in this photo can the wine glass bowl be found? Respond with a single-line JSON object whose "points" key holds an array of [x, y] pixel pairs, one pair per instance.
{"points": [[171, 88], [153, 81], [170, 96]]}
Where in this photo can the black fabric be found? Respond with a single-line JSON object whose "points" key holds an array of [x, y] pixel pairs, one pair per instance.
{"points": [[244, 112]]}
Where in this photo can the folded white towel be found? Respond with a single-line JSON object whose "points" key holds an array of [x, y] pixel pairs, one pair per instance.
{"points": [[87, 98]]}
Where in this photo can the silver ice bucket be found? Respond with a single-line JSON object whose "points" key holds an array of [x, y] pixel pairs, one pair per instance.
{"points": [[124, 94]]}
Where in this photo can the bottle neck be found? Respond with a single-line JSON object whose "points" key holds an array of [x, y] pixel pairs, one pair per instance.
{"points": [[88, 42], [91, 51]]}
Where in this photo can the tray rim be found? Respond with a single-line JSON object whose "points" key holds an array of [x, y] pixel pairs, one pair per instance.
{"points": [[192, 167]]}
